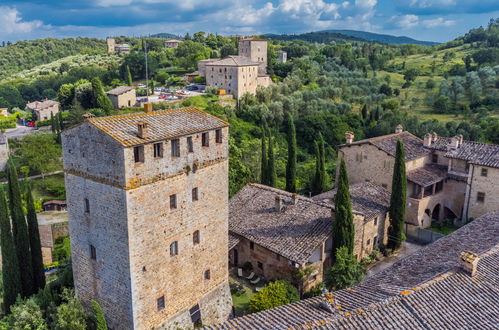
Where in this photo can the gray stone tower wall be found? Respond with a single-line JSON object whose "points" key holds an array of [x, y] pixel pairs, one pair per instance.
{"points": [[256, 50]]}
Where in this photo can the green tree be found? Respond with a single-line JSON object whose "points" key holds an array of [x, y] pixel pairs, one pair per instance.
{"points": [[239, 174], [343, 226], [34, 240], [26, 314], [346, 271], [10, 267], [101, 100], [291, 163], [20, 231], [319, 184], [43, 162], [129, 80], [398, 199], [272, 175], [99, 318], [274, 294], [265, 163], [70, 314]]}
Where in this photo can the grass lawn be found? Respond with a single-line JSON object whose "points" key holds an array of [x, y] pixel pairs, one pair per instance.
{"points": [[444, 228], [241, 299], [52, 187]]}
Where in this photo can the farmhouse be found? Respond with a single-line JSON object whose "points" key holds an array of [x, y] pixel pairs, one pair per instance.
{"points": [[43, 109], [122, 96]]}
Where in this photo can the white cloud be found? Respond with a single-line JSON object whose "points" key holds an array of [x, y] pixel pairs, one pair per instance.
{"points": [[431, 23], [405, 21], [431, 3], [111, 3], [11, 23]]}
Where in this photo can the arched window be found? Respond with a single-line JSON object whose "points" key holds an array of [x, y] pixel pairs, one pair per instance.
{"points": [[174, 248], [195, 237]]}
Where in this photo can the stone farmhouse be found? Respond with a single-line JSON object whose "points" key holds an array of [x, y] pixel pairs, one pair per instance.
{"points": [[148, 217], [172, 43], [448, 178], [113, 47], [122, 96], [240, 74], [450, 283], [43, 109], [280, 233]]}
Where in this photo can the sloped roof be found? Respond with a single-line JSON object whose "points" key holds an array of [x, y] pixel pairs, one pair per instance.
{"points": [[427, 175], [413, 145], [162, 125], [367, 198], [233, 61], [294, 232], [40, 105], [233, 241], [426, 290], [478, 153], [119, 90]]}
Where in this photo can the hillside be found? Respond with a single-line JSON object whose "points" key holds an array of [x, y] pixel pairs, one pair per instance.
{"points": [[165, 36], [319, 37], [24, 55], [383, 38]]}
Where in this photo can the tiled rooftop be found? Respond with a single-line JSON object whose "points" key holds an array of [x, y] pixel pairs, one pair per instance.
{"points": [[40, 105], [367, 198], [233, 241], [119, 90], [427, 175], [233, 61], [162, 125], [426, 290]]}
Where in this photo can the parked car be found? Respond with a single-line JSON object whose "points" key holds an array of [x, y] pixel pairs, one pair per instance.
{"points": [[172, 97], [143, 99], [141, 86], [158, 89], [183, 92], [30, 124], [162, 96], [192, 88]]}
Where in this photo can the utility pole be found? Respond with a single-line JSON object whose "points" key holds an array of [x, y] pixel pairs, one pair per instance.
{"points": [[147, 77]]}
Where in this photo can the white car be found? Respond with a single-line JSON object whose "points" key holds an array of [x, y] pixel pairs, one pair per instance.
{"points": [[141, 86]]}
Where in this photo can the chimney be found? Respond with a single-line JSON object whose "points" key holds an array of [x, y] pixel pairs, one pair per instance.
{"points": [[328, 302], [469, 262], [434, 137], [454, 142], [349, 137], [399, 129], [148, 107], [295, 199], [278, 203], [427, 140], [142, 130], [461, 139]]}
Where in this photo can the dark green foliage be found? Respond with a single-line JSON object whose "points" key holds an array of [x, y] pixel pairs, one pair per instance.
{"points": [[291, 162], [101, 100], [99, 318], [398, 199], [319, 183], [272, 175], [346, 271], [10, 267], [129, 80], [274, 294], [20, 231], [343, 226], [264, 162], [34, 240]]}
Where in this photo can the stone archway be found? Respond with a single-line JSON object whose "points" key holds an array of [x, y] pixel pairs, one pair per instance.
{"points": [[435, 214], [448, 214]]}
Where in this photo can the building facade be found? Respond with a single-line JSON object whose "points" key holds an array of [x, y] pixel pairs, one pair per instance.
{"points": [[256, 50], [172, 43], [43, 110], [113, 47], [147, 201], [4, 151], [122, 97]]}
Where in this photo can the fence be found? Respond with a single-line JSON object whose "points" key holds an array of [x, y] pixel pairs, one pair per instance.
{"points": [[421, 235]]}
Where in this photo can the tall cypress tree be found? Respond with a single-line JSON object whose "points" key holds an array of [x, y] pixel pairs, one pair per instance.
{"points": [[398, 199], [264, 165], [343, 226], [319, 183], [10, 265], [129, 80], [20, 232], [271, 160], [100, 98], [99, 318], [291, 164], [34, 242], [52, 123]]}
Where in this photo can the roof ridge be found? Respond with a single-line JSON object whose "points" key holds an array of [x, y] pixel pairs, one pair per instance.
{"points": [[288, 194]]}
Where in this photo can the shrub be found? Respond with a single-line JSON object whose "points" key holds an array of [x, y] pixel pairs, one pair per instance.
{"points": [[314, 292], [274, 294], [247, 266], [346, 272]]}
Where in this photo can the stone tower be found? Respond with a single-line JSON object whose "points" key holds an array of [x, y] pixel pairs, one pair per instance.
{"points": [[111, 44], [148, 215], [256, 50]]}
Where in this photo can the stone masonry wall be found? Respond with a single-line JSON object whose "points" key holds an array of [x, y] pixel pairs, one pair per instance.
{"points": [[486, 184], [4, 155], [127, 99]]}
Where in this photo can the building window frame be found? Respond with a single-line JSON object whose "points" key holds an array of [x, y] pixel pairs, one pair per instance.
{"points": [[207, 274], [259, 265], [190, 145], [196, 237], [252, 246], [138, 154], [434, 158], [93, 252], [195, 194], [480, 197], [205, 139], [158, 150], [484, 172], [160, 303], [174, 248], [218, 136], [86, 205], [173, 201], [175, 147]]}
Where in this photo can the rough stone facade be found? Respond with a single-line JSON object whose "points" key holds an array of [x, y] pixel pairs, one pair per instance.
{"points": [[488, 185], [123, 100], [256, 50], [236, 80], [122, 225], [4, 151], [43, 110]]}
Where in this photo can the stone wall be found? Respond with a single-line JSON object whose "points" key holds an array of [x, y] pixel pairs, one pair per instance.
{"points": [[4, 155], [486, 184], [365, 232], [45, 114], [236, 80], [127, 99], [256, 50]]}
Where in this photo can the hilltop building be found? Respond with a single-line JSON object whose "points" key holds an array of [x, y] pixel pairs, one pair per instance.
{"points": [[43, 109], [148, 213], [282, 56], [280, 233], [113, 47], [172, 43], [122, 97], [450, 282], [448, 178]]}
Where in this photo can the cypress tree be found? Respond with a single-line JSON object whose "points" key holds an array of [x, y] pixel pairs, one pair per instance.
{"points": [[272, 175], [10, 265], [20, 232], [52, 123], [34, 242], [129, 79], [100, 98], [316, 180], [264, 169], [398, 199], [99, 318], [291, 164], [343, 226]]}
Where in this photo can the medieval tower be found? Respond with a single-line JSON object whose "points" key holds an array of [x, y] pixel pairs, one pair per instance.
{"points": [[256, 50], [148, 214]]}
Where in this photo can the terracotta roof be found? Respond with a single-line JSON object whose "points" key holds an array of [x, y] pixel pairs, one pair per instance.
{"points": [[119, 90], [413, 145], [367, 198], [426, 290], [427, 175], [40, 105], [162, 125], [294, 232], [233, 61]]}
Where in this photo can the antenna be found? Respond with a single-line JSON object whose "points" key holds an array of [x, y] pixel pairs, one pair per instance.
{"points": [[147, 77]]}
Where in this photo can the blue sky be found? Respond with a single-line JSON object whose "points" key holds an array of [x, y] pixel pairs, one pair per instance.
{"points": [[435, 20]]}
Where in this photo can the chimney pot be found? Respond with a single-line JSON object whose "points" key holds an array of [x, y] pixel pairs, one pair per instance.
{"points": [[399, 129], [434, 137], [278, 203], [454, 142], [142, 130], [469, 262], [427, 140], [295, 199], [148, 107], [349, 137]]}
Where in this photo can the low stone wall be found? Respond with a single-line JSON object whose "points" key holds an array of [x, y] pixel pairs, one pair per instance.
{"points": [[421, 235]]}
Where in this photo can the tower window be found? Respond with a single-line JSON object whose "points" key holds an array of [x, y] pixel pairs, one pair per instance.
{"points": [[190, 147], [252, 245], [196, 237], [175, 148], [138, 154], [218, 136], [205, 139], [480, 197], [207, 274], [376, 221], [161, 303], [484, 172], [173, 201], [87, 205], [195, 196], [93, 252], [174, 248], [158, 150]]}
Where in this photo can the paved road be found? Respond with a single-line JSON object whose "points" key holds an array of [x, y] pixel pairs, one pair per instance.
{"points": [[21, 131], [407, 248], [38, 176]]}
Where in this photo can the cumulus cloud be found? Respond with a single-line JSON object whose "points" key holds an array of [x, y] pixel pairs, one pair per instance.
{"points": [[431, 23], [11, 22], [405, 21]]}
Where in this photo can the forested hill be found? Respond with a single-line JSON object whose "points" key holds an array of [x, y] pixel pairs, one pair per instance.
{"points": [[165, 36], [24, 55], [323, 37], [383, 38]]}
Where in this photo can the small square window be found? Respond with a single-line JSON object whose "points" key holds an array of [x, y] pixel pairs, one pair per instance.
{"points": [[138, 154], [434, 158], [161, 303], [218, 136], [93, 252], [158, 150], [480, 197], [195, 196], [485, 172], [174, 248], [205, 139], [376, 221], [175, 148], [87, 205], [252, 245], [207, 274], [260, 265], [173, 201], [196, 237], [190, 147]]}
